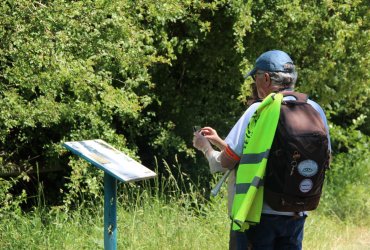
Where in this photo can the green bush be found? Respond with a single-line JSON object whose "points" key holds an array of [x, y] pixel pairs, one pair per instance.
{"points": [[346, 193], [10, 203], [140, 74]]}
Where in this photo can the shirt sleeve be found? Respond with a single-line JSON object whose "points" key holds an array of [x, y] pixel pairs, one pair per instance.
{"points": [[214, 162]]}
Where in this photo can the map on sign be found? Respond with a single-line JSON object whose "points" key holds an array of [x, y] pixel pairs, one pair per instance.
{"points": [[110, 160]]}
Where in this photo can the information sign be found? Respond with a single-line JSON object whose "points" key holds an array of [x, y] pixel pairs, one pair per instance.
{"points": [[116, 166], [110, 160]]}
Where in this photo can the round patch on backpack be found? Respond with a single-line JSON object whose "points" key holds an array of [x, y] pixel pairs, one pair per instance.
{"points": [[307, 168], [305, 185]]}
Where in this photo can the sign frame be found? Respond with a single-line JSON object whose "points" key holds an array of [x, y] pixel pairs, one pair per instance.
{"points": [[111, 161]]}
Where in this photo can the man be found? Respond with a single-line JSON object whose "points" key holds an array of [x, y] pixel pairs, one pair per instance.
{"points": [[274, 71]]}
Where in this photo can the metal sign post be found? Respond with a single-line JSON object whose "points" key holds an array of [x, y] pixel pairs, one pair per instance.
{"points": [[110, 212], [116, 166]]}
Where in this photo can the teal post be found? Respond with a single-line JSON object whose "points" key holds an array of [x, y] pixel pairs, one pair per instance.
{"points": [[110, 212]]}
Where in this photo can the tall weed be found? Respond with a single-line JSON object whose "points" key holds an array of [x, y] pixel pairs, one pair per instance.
{"points": [[157, 214]]}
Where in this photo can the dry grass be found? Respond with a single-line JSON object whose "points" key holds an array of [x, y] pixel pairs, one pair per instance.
{"points": [[324, 233]]}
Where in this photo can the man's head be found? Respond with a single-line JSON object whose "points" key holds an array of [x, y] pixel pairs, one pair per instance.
{"points": [[274, 71]]}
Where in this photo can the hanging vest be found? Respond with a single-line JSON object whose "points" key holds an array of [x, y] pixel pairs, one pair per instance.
{"points": [[248, 199]]}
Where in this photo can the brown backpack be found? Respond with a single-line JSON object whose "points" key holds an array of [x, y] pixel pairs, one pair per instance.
{"points": [[298, 158]]}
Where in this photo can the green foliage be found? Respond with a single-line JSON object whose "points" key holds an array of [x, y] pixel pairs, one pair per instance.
{"points": [[84, 186], [140, 74], [346, 193], [10, 203], [180, 221]]}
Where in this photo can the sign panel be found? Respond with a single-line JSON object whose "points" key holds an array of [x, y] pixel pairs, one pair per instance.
{"points": [[110, 160]]}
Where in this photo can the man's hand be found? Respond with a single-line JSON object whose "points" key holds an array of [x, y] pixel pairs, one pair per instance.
{"points": [[201, 143], [213, 137]]}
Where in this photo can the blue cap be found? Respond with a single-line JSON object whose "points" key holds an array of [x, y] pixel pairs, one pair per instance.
{"points": [[273, 61]]}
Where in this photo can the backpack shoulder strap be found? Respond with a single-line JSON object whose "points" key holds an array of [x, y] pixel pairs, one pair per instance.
{"points": [[301, 97]]}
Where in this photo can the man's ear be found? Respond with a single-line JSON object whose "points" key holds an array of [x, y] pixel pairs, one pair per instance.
{"points": [[267, 78]]}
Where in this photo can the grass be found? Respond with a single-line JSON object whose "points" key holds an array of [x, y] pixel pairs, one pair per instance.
{"points": [[151, 225], [166, 219], [326, 233], [150, 222]]}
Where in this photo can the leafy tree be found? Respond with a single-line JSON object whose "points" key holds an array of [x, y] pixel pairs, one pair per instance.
{"points": [[140, 74]]}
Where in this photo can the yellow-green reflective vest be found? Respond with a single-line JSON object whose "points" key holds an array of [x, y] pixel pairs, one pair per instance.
{"points": [[248, 199]]}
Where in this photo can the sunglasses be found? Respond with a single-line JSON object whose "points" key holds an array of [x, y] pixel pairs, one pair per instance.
{"points": [[257, 73]]}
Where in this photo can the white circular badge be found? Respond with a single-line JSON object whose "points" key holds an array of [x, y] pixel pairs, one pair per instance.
{"points": [[307, 168], [305, 185]]}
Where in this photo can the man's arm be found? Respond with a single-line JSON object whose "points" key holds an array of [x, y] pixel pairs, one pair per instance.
{"points": [[201, 143], [228, 158]]}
